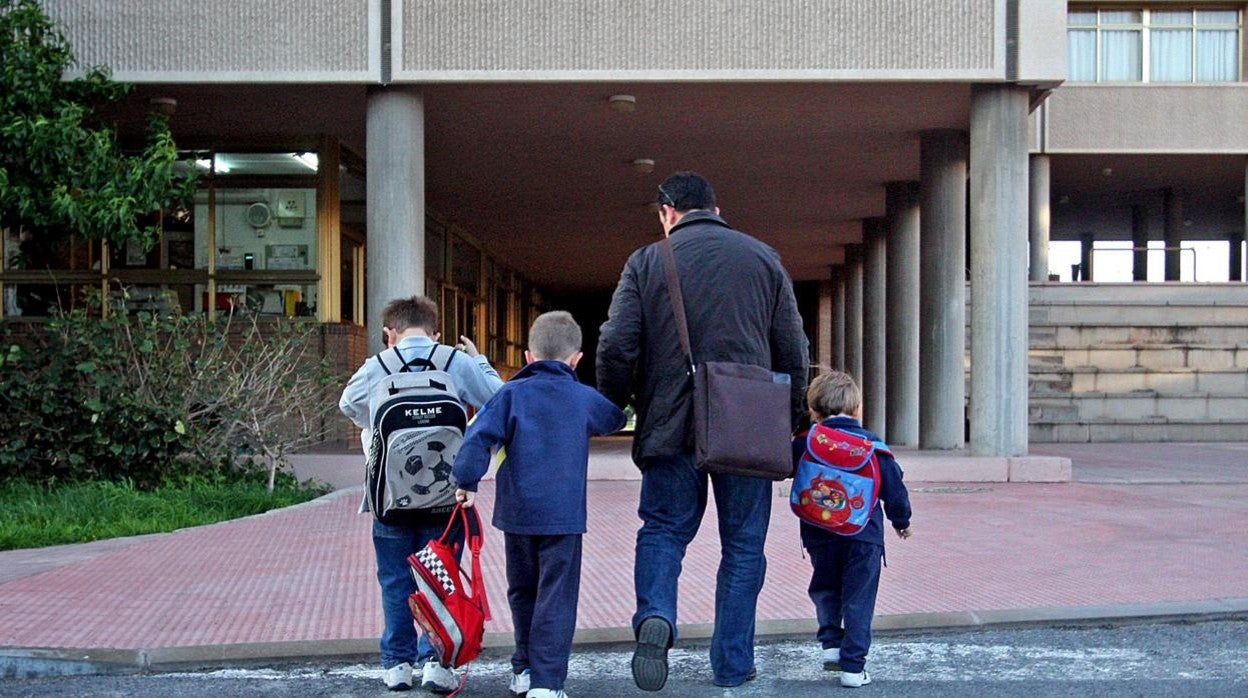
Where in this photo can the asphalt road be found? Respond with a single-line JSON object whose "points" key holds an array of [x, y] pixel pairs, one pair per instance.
{"points": [[1179, 659]]}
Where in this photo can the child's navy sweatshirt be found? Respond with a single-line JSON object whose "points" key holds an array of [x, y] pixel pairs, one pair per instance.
{"points": [[544, 418], [893, 494]]}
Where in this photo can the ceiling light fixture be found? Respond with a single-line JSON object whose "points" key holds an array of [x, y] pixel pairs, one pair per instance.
{"points": [[622, 103], [1108, 172], [163, 105], [643, 165]]}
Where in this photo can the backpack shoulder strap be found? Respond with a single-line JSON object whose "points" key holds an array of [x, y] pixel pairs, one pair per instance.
{"points": [[442, 355], [882, 448], [381, 359]]}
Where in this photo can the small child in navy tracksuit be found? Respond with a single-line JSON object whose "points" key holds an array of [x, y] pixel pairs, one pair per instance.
{"points": [[543, 419], [846, 572]]}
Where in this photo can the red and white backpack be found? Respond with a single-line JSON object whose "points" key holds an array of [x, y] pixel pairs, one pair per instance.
{"points": [[450, 607]]}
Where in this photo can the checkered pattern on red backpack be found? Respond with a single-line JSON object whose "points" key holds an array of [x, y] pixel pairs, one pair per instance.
{"points": [[433, 564]]}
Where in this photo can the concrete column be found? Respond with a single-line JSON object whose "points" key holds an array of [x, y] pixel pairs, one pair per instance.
{"points": [[1237, 247], [838, 317], [823, 325], [942, 303], [1086, 242], [395, 197], [1172, 206], [998, 224], [1139, 240], [853, 312], [1235, 272], [874, 314], [902, 330], [1038, 229]]}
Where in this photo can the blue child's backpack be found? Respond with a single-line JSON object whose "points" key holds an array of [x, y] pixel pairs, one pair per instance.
{"points": [[837, 482]]}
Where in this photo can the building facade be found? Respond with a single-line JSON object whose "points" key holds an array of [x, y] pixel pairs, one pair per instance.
{"points": [[502, 157]]}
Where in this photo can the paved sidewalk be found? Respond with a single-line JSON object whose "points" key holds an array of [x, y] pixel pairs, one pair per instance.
{"points": [[300, 581]]}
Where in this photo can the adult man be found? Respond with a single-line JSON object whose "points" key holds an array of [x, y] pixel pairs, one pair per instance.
{"points": [[740, 308]]}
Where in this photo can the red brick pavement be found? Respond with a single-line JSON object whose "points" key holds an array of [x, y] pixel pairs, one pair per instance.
{"points": [[306, 573]]}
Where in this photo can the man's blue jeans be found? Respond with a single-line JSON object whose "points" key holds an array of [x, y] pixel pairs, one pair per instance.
{"points": [[673, 499], [399, 640]]}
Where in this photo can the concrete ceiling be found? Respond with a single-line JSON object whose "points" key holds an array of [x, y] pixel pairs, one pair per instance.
{"points": [[540, 174]]}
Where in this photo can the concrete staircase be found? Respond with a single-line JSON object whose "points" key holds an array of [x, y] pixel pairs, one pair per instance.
{"points": [[1139, 362]]}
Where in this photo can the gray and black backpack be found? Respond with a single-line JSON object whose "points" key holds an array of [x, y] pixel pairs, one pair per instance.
{"points": [[418, 426]]}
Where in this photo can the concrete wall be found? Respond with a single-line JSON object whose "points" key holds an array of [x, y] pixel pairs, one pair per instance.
{"points": [[454, 40], [733, 39], [1147, 118], [226, 40]]}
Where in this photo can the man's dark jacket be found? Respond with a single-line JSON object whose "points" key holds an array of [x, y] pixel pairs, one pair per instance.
{"points": [[740, 307]]}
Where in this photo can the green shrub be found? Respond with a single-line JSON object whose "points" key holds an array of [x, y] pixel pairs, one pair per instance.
{"points": [[146, 397]]}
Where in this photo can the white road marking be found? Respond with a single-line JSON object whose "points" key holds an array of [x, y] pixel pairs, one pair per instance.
{"points": [[892, 661]]}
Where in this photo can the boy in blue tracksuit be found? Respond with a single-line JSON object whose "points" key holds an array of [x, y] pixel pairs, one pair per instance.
{"points": [[543, 419], [846, 572]]}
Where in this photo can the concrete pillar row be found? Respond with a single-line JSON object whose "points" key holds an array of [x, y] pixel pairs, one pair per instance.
{"points": [[998, 221], [853, 312], [1038, 229], [942, 303], [874, 314], [395, 198], [902, 326], [1172, 207], [838, 317]]}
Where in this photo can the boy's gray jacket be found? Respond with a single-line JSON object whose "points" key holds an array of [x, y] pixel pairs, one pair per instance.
{"points": [[740, 307]]}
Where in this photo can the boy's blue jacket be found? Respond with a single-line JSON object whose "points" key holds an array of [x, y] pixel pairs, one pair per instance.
{"points": [[893, 494], [543, 417]]}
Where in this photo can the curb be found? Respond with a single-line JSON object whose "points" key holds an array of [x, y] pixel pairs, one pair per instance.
{"points": [[28, 663]]}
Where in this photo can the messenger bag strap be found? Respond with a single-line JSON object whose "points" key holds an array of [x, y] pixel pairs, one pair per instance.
{"points": [[678, 301]]}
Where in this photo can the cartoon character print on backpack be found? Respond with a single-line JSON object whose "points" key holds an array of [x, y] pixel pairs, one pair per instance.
{"points": [[837, 481], [827, 500]]}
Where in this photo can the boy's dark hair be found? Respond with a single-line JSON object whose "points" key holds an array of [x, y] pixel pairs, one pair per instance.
{"points": [[554, 336], [833, 393], [687, 191], [405, 313]]}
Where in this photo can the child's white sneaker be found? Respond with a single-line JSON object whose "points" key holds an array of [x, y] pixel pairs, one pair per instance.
{"points": [[398, 677], [438, 678], [851, 680], [519, 683], [832, 659], [547, 693]]}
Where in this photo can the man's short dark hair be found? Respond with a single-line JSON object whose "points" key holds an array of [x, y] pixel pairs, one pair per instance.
{"points": [[405, 313], [687, 191], [554, 336]]}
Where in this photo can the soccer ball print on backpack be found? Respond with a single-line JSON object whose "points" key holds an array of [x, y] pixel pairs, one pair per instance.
{"points": [[837, 483], [418, 425]]}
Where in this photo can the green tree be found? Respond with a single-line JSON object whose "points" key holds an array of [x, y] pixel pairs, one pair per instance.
{"points": [[62, 170]]}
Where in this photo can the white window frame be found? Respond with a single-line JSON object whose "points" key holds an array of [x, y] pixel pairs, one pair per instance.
{"points": [[1145, 28]]}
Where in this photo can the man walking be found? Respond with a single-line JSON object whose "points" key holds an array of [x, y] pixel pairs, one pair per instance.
{"points": [[740, 308]]}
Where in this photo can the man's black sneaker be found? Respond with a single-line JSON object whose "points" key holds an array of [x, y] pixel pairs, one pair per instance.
{"points": [[650, 658]]}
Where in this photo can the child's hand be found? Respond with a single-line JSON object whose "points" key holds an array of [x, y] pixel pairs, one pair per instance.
{"points": [[465, 497], [465, 345], [903, 533]]}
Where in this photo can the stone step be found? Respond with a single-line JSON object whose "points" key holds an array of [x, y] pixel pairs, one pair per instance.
{"points": [[1093, 336], [1158, 357], [1144, 404], [1048, 380], [1141, 430]]}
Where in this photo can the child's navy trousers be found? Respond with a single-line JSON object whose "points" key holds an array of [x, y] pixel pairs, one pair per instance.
{"points": [[543, 584], [843, 585]]}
